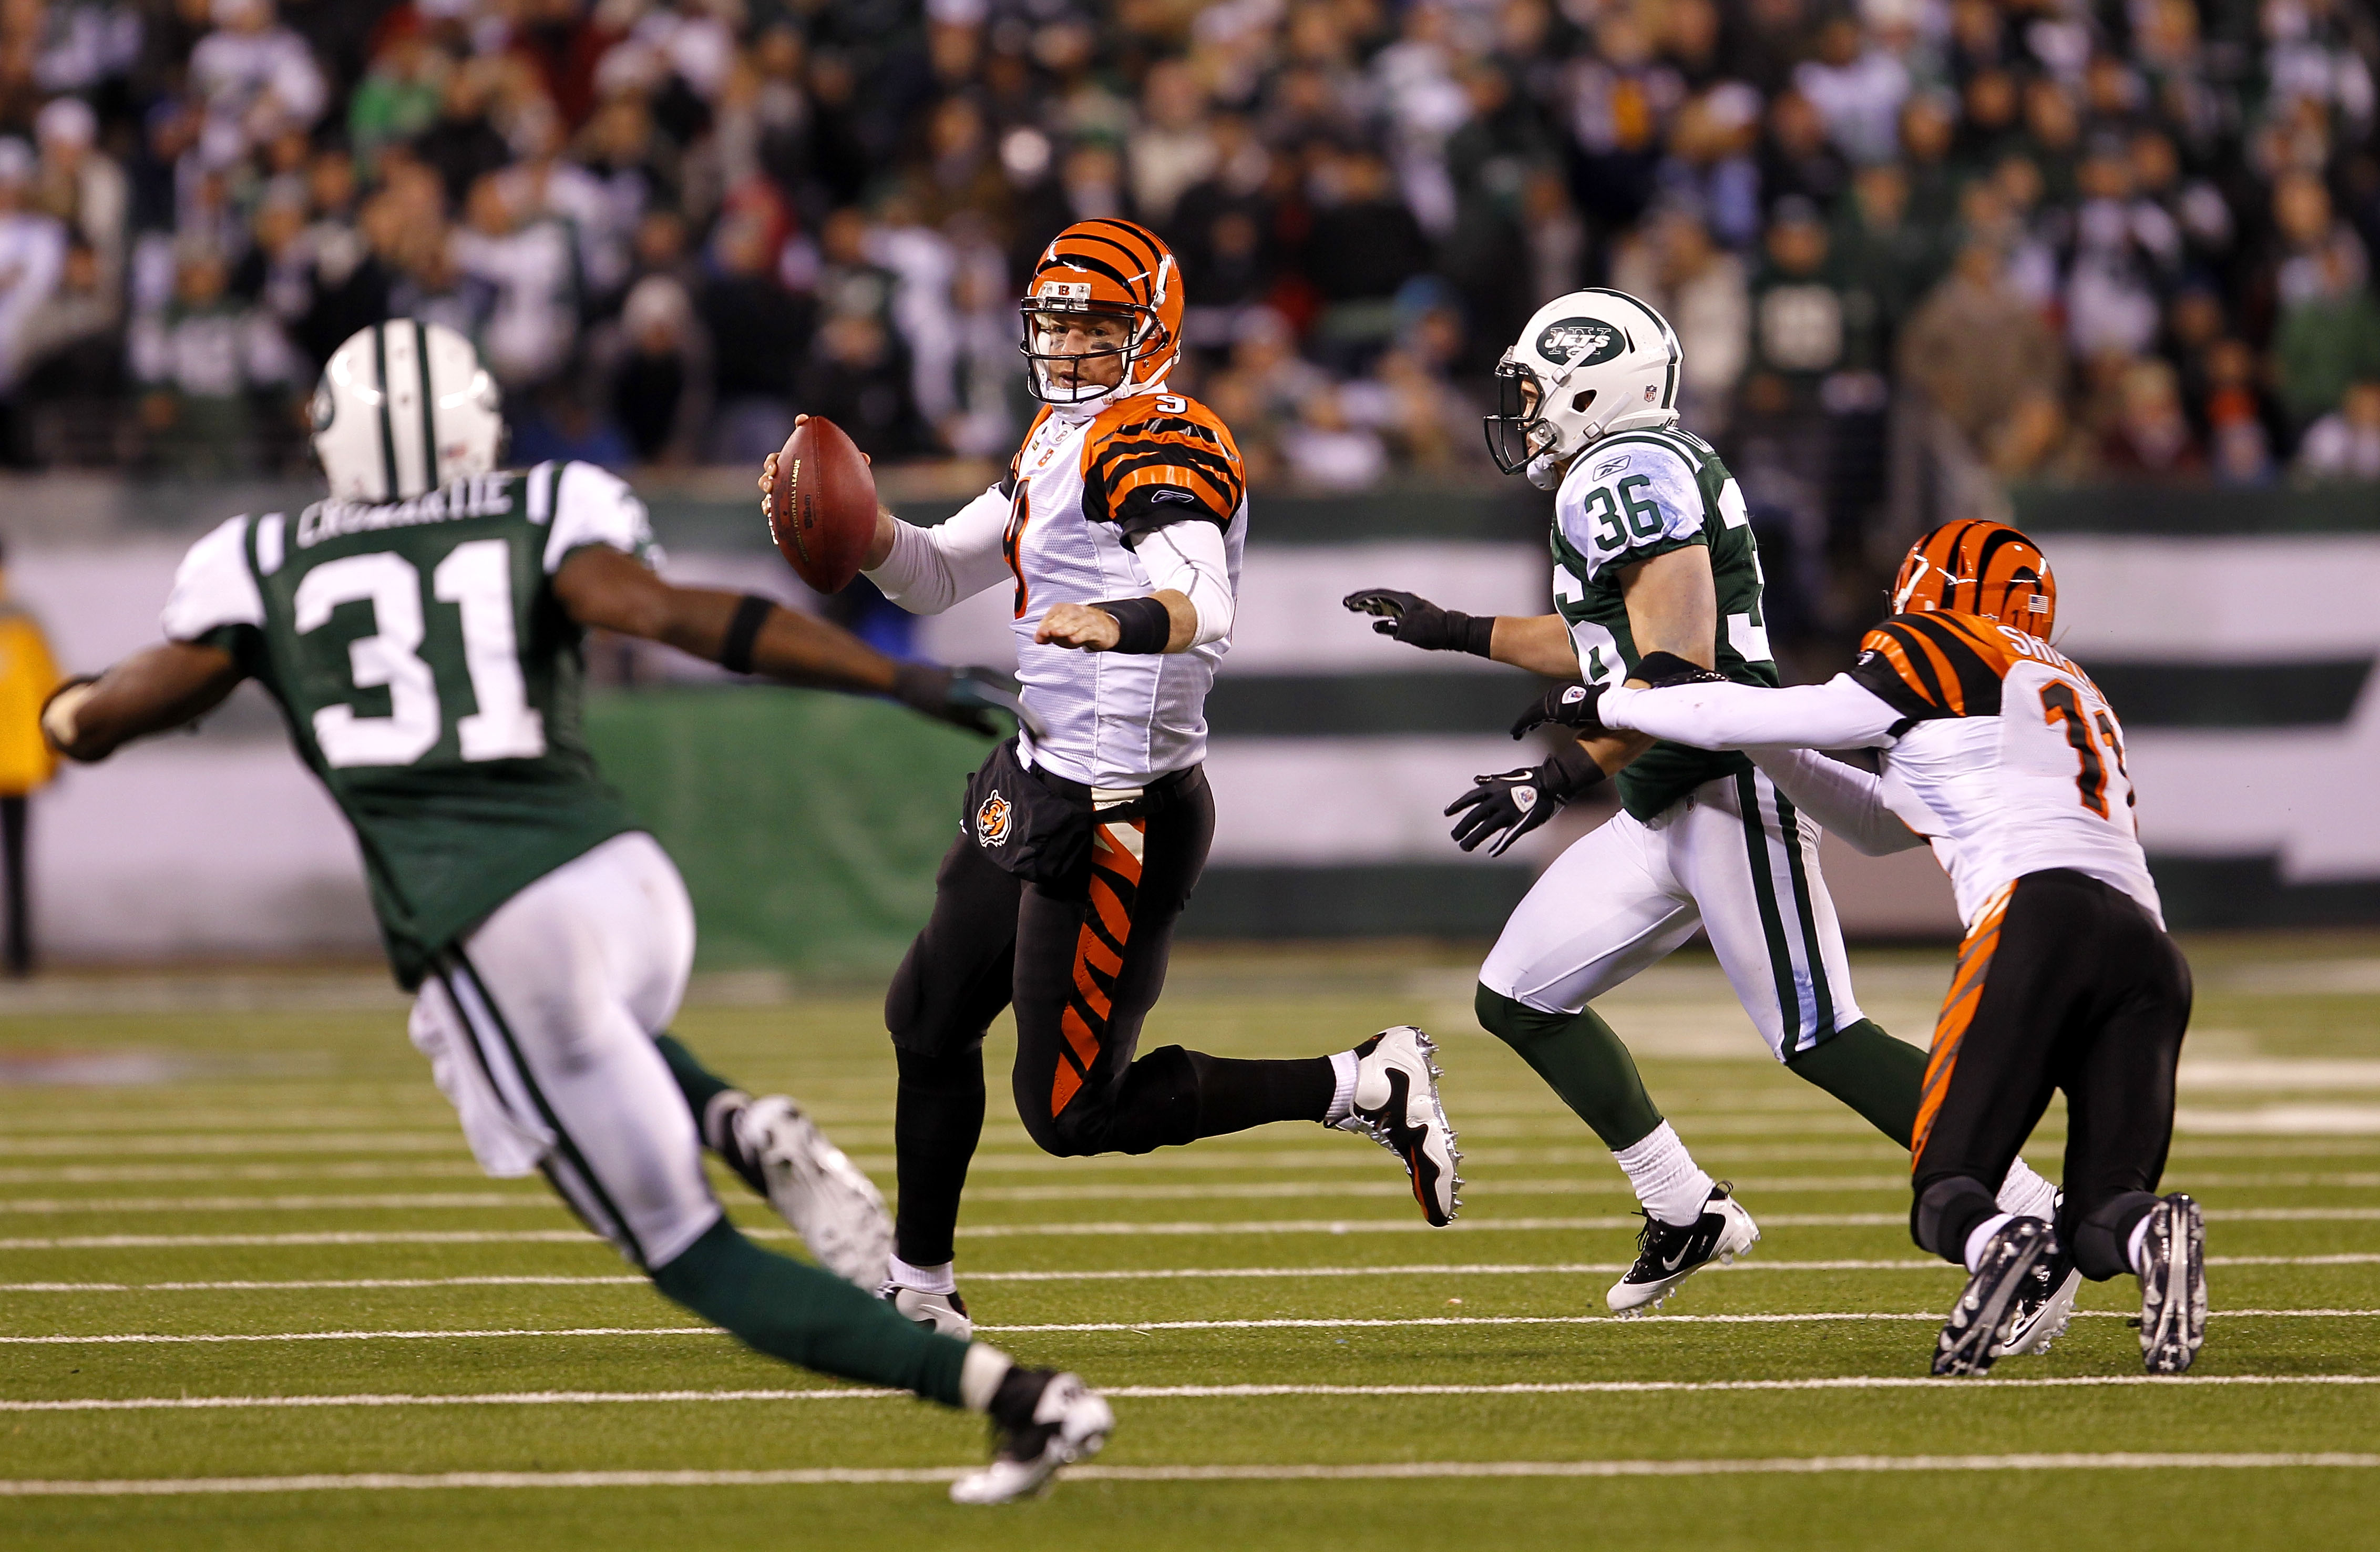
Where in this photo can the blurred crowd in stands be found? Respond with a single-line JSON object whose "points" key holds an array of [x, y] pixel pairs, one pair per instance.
{"points": [[2018, 237]]}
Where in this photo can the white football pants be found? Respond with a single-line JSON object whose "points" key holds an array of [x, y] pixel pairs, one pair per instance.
{"points": [[539, 1028], [1734, 856]]}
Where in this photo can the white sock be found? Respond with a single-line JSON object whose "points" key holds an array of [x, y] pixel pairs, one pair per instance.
{"points": [[2027, 1194], [2133, 1246], [718, 1119], [1981, 1235], [925, 1280], [1343, 1098], [1667, 1181], [980, 1372]]}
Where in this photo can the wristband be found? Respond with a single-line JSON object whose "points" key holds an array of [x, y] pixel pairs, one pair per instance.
{"points": [[1470, 633], [1661, 669], [1574, 768], [1142, 624], [743, 630]]}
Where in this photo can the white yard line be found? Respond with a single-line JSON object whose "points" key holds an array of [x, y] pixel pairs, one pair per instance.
{"points": [[1171, 1392], [405, 1200], [1412, 1471], [1316, 1323], [1160, 1274], [1097, 1229]]}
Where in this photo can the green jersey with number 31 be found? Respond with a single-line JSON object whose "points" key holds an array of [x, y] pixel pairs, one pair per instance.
{"points": [[1626, 499], [430, 677]]}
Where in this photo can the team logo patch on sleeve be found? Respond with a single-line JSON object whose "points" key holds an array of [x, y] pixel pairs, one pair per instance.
{"points": [[991, 820], [1579, 341]]}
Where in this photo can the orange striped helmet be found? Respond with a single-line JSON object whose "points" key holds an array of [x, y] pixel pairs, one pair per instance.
{"points": [[1101, 268], [1977, 568]]}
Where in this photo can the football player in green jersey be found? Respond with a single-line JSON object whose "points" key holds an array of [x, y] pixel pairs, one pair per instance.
{"points": [[420, 628], [1656, 580]]}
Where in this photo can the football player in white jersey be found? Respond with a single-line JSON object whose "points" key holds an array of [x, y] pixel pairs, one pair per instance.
{"points": [[421, 631], [1118, 533], [2001, 755], [1657, 578]]}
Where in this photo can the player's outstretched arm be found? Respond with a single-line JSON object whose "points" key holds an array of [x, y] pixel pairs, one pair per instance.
{"points": [[1541, 644], [161, 687], [604, 587]]}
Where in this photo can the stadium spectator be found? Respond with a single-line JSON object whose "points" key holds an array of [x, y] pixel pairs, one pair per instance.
{"points": [[2345, 444], [32, 254]]}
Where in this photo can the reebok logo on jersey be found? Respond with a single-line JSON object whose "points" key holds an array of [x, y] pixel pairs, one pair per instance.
{"points": [[1166, 492], [1609, 467], [991, 820]]}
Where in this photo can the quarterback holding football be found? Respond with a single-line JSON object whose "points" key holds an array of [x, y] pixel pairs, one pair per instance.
{"points": [[1117, 533]]}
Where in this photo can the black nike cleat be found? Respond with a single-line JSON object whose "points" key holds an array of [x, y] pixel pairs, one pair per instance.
{"points": [[2044, 1305], [1396, 1104], [1668, 1254], [2173, 1285], [1978, 1334]]}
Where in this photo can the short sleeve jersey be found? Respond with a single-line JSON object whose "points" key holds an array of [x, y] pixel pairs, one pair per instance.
{"points": [[1082, 496], [2006, 757], [1629, 498], [429, 678]]}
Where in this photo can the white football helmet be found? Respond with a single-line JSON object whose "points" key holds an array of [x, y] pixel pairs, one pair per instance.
{"points": [[404, 408], [1588, 364]]}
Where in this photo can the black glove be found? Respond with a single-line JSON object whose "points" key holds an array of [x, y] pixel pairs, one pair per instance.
{"points": [[1566, 705], [1518, 802], [1662, 669], [963, 697], [1418, 622]]}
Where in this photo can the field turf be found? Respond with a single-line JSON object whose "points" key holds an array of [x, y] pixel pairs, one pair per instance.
{"points": [[243, 1249]]}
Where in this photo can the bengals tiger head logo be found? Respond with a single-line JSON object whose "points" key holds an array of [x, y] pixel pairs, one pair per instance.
{"points": [[991, 820]]}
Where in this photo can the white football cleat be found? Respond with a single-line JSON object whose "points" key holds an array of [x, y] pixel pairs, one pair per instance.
{"points": [[1396, 1104], [1668, 1254], [2173, 1285], [836, 1209], [1040, 1421], [945, 1313]]}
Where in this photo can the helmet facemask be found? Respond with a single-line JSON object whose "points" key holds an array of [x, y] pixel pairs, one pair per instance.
{"points": [[1058, 377], [1520, 436]]}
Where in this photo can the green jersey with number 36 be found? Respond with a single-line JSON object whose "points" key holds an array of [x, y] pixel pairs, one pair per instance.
{"points": [[1626, 499], [430, 677]]}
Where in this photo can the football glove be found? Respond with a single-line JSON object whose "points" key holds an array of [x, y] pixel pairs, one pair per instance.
{"points": [[964, 698], [1567, 705], [1418, 622], [1507, 806], [58, 712], [1662, 669]]}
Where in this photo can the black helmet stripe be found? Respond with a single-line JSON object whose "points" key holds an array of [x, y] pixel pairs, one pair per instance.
{"points": [[387, 430], [1094, 266], [428, 410]]}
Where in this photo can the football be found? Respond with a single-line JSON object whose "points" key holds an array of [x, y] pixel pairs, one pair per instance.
{"points": [[822, 505]]}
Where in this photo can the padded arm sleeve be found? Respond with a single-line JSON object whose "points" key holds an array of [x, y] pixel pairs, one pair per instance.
{"points": [[1842, 798], [931, 568], [1189, 558], [1840, 714]]}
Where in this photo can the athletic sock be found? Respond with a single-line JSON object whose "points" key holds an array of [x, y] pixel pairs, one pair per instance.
{"points": [[1869, 1071], [2135, 1243], [1580, 1059], [1342, 1088], [810, 1317], [1981, 1235], [942, 1278], [980, 1375], [2024, 1192], [1236, 1093], [1667, 1181], [936, 1121], [715, 1103]]}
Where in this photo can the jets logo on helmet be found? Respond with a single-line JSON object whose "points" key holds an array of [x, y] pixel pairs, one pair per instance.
{"points": [[1101, 269], [1589, 364], [1978, 567], [403, 408]]}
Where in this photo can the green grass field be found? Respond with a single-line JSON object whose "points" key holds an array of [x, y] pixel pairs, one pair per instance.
{"points": [[260, 1251]]}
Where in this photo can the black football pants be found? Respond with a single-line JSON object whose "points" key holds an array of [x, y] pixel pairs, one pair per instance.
{"points": [[2069, 986], [1083, 961]]}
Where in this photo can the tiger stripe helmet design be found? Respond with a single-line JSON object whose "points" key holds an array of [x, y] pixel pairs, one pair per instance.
{"points": [[1110, 268], [1978, 567]]}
